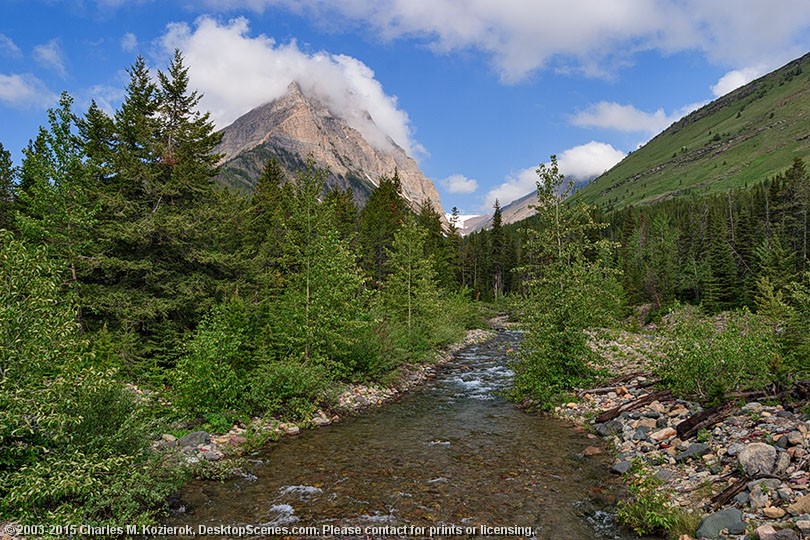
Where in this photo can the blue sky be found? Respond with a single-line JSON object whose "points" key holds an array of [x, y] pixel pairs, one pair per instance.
{"points": [[478, 91]]}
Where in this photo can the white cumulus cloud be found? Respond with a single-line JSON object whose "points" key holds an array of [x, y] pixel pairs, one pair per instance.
{"points": [[458, 183], [580, 163], [523, 36], [24, 91], [237, 72], [735, 79], [49, 55], [629, 119]]}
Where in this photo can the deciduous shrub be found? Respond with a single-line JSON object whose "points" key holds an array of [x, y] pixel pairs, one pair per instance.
{"points": [[709, 358]]}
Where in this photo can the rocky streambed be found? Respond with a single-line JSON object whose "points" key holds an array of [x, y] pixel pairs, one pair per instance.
{"points": [[743, 467]]}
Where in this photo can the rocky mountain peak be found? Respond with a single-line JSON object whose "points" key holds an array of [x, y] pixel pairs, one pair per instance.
{"points": [[298, 125]]}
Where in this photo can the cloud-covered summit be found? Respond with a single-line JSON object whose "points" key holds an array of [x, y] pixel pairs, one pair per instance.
{"points": [[237, 72]]}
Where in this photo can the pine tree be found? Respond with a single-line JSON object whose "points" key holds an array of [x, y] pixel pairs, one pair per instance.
{"points": [[7, 176], [380, 218], [55, 208], [497, 251]]}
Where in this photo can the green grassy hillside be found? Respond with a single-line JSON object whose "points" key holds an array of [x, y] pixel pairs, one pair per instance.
{"points": [[735, 141]]}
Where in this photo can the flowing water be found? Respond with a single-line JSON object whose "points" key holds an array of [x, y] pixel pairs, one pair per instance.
{"points": [[452, 459]]}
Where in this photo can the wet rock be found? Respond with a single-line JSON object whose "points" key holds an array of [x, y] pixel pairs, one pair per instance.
{"points": [[591, 451], [621, 467], [757, 459], [693, 451], [196, 438], [613, 427], [712, 525]]}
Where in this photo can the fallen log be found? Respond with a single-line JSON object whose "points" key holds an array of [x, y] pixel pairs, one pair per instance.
{"points": [[703, 420], [727, 494], [610, 414]]}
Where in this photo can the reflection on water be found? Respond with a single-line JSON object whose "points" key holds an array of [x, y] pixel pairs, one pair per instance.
{"points": [[452, 456]]}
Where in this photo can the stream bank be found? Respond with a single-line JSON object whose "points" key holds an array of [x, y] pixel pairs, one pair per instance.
{"points": [[745, 473], [451, 458]]}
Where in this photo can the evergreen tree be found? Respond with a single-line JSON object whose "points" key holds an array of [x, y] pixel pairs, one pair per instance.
{"points": [[7, 176], [55, 208], [571, 287], [380, 218], [497, 251]]}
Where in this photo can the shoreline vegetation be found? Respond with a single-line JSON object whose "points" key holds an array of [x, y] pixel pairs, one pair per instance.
{"points": [[141, 301]]}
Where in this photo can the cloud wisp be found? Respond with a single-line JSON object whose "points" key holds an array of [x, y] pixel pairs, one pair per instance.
{"points": [[628, 119], [458, 183], [23, 91], [580, 163], [237, 72], [50, 56]]}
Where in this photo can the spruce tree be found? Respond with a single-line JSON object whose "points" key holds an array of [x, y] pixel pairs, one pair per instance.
{"points": [[7, 176]]}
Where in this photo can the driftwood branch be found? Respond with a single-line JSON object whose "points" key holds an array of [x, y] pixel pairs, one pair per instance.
{"points": [[703, 420], [610, 414]]}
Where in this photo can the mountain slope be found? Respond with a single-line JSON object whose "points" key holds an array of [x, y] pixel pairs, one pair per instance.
{"points": [[295, 126], [735, 141]]}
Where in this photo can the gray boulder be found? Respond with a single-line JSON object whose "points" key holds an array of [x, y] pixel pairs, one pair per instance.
{"points": [[712, 525], [757, 459], [196, 438]]}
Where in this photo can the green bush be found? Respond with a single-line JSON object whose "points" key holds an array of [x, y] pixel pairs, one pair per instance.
{"points": [[709, 358], [649, 508], [73, 440], [288, 388], [209, 376]]}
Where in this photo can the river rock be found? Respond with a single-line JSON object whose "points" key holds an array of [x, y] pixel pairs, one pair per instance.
{"points": [[196, 438], [664, 434], [712, 525], [621, 467], [767, 532], [693, 451], [801, 506], [773, 512], [757, 459], [591, 451], [764, 532], [795, 438], [613, 427]]}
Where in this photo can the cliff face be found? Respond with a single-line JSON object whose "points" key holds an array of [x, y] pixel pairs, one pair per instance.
{"points": [[296, 126]]}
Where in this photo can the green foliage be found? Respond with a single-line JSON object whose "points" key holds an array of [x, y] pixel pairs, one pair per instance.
{"points": [[707, 359], [208, 377], [649, 508], [410, 294], [73, 440], [287, 388], [685, 159], [571, 286]]}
